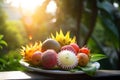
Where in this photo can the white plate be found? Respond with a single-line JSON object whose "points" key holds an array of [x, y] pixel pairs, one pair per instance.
{"points": [[25, 64]]}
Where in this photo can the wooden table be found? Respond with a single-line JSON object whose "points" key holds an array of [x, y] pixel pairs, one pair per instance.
{"points": [[100, 75]]}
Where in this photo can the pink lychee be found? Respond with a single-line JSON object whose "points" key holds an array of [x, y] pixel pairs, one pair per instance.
{"points": [[36, 58], [70, 48], [75, 46], [49, 59]]}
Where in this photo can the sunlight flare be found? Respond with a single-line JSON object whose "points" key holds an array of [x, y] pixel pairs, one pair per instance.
{"points": [[29, 6], [51, 8]]}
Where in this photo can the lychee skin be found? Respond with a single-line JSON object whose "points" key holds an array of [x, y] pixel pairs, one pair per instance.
{"points": [[49, 59], [75, 46], [83, 59], [70, 48], [84, 50], [36, 58]]}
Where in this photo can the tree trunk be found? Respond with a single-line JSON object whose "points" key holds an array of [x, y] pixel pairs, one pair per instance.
{"points": [[92, 20], [78, 22]]}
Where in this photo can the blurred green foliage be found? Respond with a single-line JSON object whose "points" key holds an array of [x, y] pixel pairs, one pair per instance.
{"points": [[14, 34], [2, 42], [10, 61]]}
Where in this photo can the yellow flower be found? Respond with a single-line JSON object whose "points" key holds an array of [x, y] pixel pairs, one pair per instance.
{"points": [[28, 50], [63, 39]]}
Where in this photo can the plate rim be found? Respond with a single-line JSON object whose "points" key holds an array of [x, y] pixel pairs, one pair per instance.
{"points": [[27, 65]]}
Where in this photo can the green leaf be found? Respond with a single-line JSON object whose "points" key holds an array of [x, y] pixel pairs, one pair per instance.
{"points": [[109, 24], [74, 70], [106, 6], [108, 17], [96, 57], [3, 43], [1, 36], [3, 61], [89, 69]]}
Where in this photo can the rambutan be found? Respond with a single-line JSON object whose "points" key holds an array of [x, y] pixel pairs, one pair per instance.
{"points": [[67, 59]]}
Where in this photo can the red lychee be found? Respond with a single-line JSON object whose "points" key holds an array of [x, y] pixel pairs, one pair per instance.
{"points": [[70, 48], [49, 59], [84, 50], [36, 58], [75, 46]]}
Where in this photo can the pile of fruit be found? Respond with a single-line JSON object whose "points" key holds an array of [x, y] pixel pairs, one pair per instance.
{"points": [[59, 51]]}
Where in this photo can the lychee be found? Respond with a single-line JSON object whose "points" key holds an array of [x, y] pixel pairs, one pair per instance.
{"points": [[84, 50], [49, 59], [70, 48], [36, 58], [75, 46]]}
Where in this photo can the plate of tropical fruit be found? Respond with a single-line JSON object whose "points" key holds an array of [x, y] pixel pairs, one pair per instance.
{"points": [[60, 54]]}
